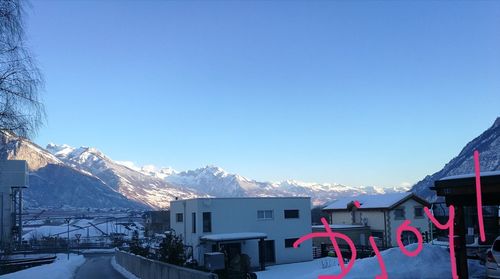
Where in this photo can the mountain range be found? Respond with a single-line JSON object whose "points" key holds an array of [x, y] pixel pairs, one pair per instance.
{"points": [[488, 145], [64, 176]]}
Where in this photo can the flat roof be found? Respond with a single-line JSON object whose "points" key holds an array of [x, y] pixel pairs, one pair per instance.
{"points": [[461, 189], [233, 236], [229, 198], [470, 175], [340, 226]]}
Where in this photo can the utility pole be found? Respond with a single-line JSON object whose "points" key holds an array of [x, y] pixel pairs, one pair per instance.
{"points": [[78, 235], [67, 221]]}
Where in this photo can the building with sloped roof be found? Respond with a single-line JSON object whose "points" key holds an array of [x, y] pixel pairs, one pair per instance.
{"points": [[383, 214]]}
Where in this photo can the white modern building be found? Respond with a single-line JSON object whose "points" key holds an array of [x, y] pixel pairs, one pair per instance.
{"points": [[264, 228], [383, 214]]}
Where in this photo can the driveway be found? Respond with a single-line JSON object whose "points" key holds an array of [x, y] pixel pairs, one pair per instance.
{"points": [[97, 266]]}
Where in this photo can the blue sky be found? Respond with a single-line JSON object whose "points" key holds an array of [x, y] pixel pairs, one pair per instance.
{"points": [[355, 92]]}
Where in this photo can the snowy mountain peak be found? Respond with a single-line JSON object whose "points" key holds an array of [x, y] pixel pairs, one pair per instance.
{"points": [[145, 183], [167, 171], [496, 124], [212, 170], [65, 151], [59, 150]]}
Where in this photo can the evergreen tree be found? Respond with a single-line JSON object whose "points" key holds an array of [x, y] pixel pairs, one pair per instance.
{"points": [[172, 250]]}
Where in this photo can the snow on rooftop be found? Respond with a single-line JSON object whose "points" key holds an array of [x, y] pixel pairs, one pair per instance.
{"points": [[233, 236], [370, 201], [470, 175]]}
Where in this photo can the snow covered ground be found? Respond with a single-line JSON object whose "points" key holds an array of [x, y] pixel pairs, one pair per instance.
{"points": [[432, 262], [61, 268]]}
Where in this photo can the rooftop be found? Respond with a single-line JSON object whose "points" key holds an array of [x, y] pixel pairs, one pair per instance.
{"points": [[470, 175], [246, 198], [339, 226], [370, 201]]}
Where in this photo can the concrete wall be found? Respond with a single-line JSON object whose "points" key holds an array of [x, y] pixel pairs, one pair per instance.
{"points": [[150, 269]]}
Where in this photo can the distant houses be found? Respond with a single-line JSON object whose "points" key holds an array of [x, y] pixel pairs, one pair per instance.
{"points": [[262, 228], [382, 214]]}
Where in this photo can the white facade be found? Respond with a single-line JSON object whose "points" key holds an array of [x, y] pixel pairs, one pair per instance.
{"points": [[385, 219], [245, 216]]}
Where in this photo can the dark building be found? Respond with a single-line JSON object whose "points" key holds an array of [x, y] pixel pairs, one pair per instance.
{"points": [[156, 222], [460, 191]]}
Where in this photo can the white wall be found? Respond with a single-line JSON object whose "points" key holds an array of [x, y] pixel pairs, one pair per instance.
{"points": [[231, 215], [422, 224]]}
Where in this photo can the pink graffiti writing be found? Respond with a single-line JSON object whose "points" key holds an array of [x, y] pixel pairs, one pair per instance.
{"points": [[405, 226], [479, 201]]}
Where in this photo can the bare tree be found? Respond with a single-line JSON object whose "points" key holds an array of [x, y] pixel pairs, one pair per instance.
{"points": [[21, 110]]}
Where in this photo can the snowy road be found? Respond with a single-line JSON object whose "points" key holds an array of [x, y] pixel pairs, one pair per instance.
{"points": [[97, 266]]}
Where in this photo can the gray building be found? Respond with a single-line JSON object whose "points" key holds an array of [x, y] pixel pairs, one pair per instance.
{"points": [[13, 178], [263, 228]]}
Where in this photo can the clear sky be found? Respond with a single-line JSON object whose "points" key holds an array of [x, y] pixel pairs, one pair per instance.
{"points": [[356, 92]]}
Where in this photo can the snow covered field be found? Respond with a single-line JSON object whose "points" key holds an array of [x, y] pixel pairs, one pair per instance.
{"points": [[432, 262], [61, 268], [85, 230]]}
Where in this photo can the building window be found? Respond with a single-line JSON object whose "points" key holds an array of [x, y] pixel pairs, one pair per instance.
{"points": [[419, 212], [194, 222], [207, 221], [264, 214], [399, 213], [179, 218], [289, 242], [291, 213]]}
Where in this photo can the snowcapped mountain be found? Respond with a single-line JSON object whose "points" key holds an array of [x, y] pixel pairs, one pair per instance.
{"points": [[61, 175], [145, 185], [157, 186], [214, 181], [488, 145], [52, 183]]}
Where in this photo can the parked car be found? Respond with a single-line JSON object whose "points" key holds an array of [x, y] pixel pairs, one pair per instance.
{"points": [[493, 260]]}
